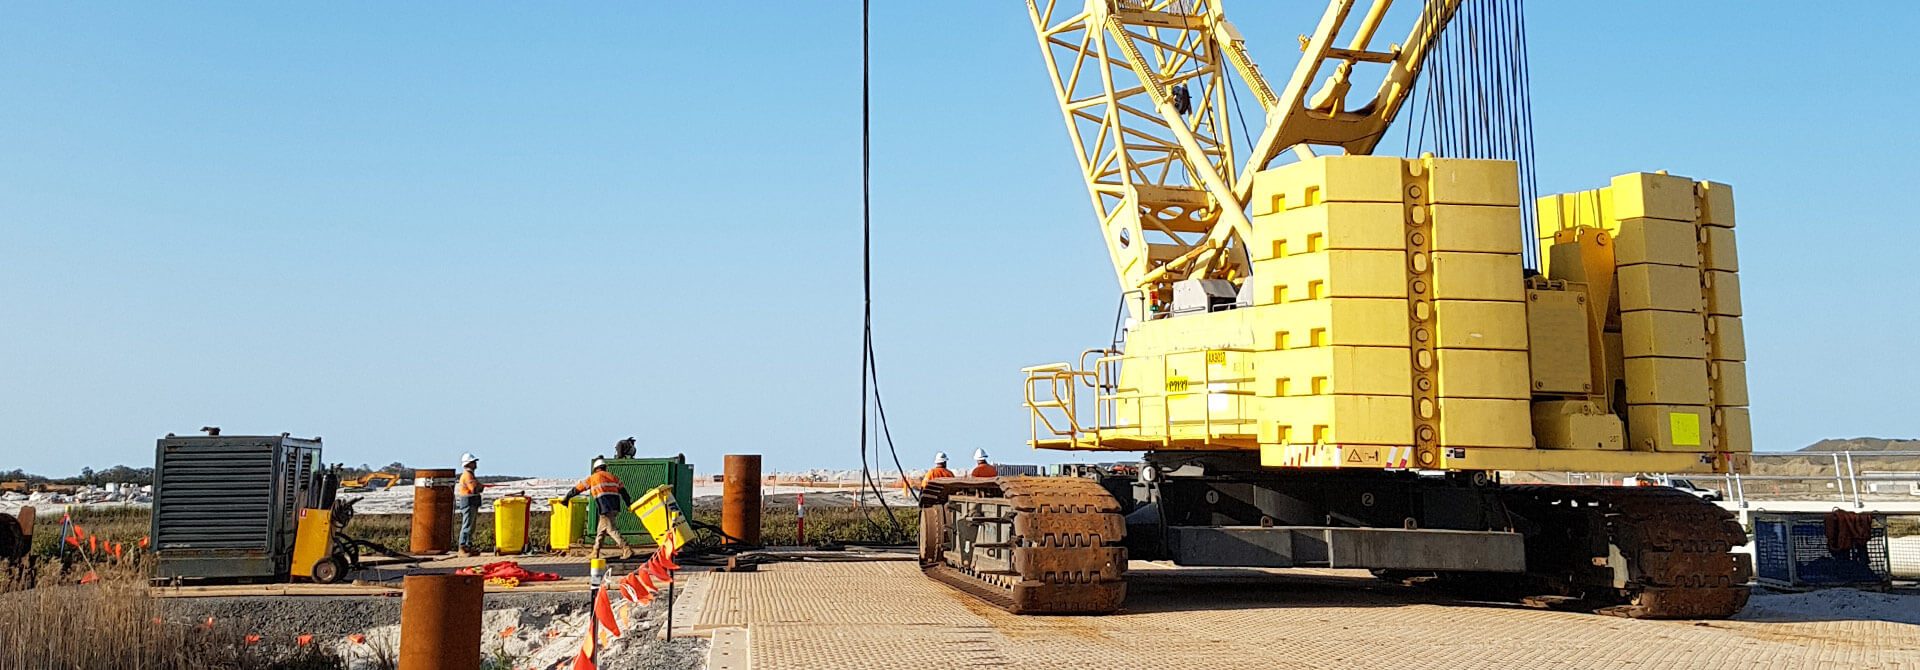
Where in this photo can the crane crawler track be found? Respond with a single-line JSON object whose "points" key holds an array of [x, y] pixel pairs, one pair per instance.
{"points": [[1640, 552], [1060, 552]]}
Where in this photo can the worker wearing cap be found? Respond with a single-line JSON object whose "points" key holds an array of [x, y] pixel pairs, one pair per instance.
{"points": [[609, 497], [980, 467], [466, 500], [939, 469]]}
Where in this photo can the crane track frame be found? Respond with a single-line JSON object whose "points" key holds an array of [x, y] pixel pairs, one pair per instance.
{"points": [[1644, 552], [1052, 545]]}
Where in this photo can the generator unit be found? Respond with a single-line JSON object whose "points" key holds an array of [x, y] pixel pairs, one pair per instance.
{"points": [[638, 476], [224, 507]]}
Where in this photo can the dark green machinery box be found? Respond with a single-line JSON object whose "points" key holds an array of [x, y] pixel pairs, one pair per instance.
{"points": [[638, 476]]}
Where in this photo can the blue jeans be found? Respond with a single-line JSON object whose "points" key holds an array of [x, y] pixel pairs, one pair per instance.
{"points": [[469, 507]]}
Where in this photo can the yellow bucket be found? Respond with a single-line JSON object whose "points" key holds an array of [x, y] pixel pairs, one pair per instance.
{"points": [[564, 524], [510, 524], [662, 518]]}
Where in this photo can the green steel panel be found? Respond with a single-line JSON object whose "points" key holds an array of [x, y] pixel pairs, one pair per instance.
{"points": [[638, 476]]}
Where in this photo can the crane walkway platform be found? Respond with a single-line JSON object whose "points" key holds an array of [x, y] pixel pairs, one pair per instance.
{"points": [[887, 615]]}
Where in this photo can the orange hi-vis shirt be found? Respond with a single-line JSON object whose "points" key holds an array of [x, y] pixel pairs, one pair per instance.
{"points": [[600, 483], [984, 470], [936, 473], [469, 484]]}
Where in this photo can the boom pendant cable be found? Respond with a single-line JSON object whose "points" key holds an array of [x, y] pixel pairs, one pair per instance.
{"points": [[869, 378], [1477, 95]]}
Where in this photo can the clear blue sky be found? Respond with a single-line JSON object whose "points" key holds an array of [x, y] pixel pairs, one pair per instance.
{"points": [[527, 232]]}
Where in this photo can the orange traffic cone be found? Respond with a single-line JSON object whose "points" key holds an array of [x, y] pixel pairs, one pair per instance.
{"points": [[603, 611]]}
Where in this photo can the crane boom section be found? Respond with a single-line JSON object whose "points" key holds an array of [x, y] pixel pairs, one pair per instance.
{"points": [[1145, 88]]}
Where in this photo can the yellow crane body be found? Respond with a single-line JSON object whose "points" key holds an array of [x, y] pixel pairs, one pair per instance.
{"points": [[1331, 362], [1389, 323]]}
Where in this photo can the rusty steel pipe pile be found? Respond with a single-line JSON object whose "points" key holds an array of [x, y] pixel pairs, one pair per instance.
{"points": [[740, 506], [432, 512], [440, 622]]}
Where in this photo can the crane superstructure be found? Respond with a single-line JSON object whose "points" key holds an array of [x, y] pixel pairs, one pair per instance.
{"points": [[1330, 362]]}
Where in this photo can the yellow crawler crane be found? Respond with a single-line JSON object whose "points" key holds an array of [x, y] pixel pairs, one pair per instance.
{"points": [[1329, 362]]}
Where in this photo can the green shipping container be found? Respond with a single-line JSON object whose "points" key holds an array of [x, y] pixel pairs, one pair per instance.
{"points": [[638, 476]]}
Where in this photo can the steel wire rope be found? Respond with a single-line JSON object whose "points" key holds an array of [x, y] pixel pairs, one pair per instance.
{"points": [[869, 379]]}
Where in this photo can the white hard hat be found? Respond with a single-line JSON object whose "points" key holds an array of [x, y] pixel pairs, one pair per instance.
{"points": [[468, 458], [979, 454], [940, 458], [599, 462]]}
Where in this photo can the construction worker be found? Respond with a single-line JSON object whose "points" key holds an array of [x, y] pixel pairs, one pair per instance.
{"points": [[980, 467], [609, 497], [939, 469], [624, 448], [466, 501]]}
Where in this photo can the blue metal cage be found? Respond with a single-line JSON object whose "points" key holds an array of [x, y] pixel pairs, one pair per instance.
{"points": [[1790, 551]]}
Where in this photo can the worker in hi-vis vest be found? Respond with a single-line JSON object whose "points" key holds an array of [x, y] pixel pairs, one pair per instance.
{"points": [[609, 497], [980, 467], [466, 501], [939, 469]]}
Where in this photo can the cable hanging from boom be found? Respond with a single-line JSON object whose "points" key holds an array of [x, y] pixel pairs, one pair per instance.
{"points": [[869, 376], [1477, 97]]}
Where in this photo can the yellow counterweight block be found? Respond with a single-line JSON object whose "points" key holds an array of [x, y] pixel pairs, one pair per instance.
{"points": [[1392, 325], [1673, 340], [1400, 324]]}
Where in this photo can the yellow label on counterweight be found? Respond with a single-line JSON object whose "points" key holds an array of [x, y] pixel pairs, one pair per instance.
{"points": [[1216, 358], [1176, 384], [1686, 429]]}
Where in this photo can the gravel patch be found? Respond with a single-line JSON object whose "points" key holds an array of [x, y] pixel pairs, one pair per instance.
{"points": [[277, 617]]}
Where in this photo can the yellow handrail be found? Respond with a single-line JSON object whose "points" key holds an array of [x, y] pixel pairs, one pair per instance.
{"points": [[1062, 382]]}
